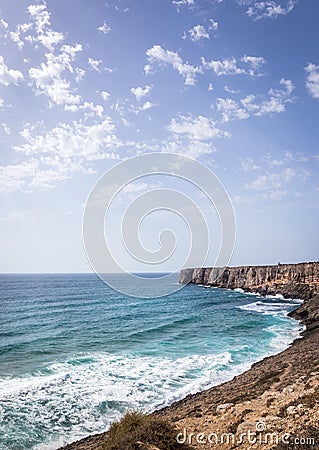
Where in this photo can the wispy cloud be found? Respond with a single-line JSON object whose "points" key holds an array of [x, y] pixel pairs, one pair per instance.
{"points": [[248, 164], [75, 139], [140, 92], [312, 81], [260, 9], [256, 105], [15, 35], [247, 65], [272, 180], [9, 76], [105, 28], [158, 55], [255, 64], [224, 67], [48, 77], [200, 128], [45, 35], [15, 177], [197, 33], [183, 2], [95, 64], [59, 154], [4, 24]]}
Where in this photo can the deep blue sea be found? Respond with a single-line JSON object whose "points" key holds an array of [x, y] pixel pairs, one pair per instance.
{"points": [[75, 355]]}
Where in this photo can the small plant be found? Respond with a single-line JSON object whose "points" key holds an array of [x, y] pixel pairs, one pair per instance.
{"points": [[138, 431]]}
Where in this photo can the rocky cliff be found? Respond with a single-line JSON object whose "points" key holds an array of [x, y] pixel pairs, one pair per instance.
{"points": [[291, 280]]}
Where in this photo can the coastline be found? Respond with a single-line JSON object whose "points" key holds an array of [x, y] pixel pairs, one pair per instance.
{"points": [[280, 391]]}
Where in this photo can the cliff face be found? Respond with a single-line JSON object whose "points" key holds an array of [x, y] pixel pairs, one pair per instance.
{"points": [[290, 280]]}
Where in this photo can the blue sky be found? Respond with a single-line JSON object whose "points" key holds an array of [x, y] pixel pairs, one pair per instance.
{"points": [[84, 85]]}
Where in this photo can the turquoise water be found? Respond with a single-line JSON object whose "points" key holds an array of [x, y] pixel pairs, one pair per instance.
{"points": [[75, 355]]}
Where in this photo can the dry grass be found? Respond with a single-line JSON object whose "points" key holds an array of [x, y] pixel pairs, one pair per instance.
{"points": [[140, 431]]}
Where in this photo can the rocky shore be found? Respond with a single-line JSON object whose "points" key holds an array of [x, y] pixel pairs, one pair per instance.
{"points": [[275, 404], [290, 280], [278, 395]]}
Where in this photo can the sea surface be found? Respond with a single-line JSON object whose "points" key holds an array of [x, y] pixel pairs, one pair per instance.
{"points": [[75, 355]]}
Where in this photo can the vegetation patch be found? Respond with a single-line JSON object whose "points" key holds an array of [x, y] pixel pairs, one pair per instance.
{"points": [[137, 431]]}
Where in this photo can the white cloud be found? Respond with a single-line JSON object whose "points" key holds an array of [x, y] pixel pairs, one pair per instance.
{"points": [[41, 16], [275, 195], [296, 156], [58, 154], [255, 63], [48, 77], [312, 81], [50, 39], [231, 90], [230, 66], [9, 76], [6, 129], [147, 105], [214, 25], [183, 2], [273, 180], [147, 69], [95, 64], [140, 92], [192, 147], [105, 28], [79, 74], [200, 128], [225, 67], [45, 35], [15, 37], [258, 9], [278, 99], [90, 109], [230, 109], [15, 177], [72, 140], [247, 165], [273, 105], [105, 95], [256, 105], [4, 24], [197, 33], [288, 84], [272, 161], [158, 55]]}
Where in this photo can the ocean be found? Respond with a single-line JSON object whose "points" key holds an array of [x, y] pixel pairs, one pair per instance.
{"points": [[75, 354]]}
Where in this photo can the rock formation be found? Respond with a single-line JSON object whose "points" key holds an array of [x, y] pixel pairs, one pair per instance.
{"points": [[290, 280]]}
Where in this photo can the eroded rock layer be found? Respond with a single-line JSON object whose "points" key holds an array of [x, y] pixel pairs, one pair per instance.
{"points": [[291, 280]]}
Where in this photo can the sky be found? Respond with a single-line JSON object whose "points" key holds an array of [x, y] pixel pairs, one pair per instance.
{"points": [[233, 84]]}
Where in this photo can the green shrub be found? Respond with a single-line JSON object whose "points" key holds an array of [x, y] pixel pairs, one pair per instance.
{"points": [[137, 431]]}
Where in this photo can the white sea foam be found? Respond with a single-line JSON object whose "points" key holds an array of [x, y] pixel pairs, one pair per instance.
{"points": [[283, 337], [84, 395], [239, 290], [267, 308]]}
